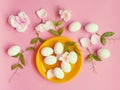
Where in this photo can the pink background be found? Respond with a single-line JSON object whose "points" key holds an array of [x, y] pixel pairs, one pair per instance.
{"points": [[106, 13]]}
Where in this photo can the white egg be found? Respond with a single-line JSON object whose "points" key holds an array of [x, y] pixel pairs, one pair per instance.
{"points": [[50, 73], [72, 57], [50, 60], [47, 51], [74, 27], [66, 67], [14, 50], [58, 48], [103, 53], [91, 27], [95, 39], [58, 73]]}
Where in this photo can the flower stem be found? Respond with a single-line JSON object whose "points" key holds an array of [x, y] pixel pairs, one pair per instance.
{"points": [[92, 62], [98, 34], [38, 34], [93, 66], [13, 75], [88, 50], [118, 38]]}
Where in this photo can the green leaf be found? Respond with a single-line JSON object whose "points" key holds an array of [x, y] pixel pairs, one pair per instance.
{"points": [[54, 32], [108, 34], [31, 48], [103, 40], [61, 30], [20, 66], [70, 43], [76, 51], [22, 60], [59, 23], [16, 66], [66, 49], [90, 57], [34, 40], [96, 57], [16, 56], [54, 23], [41, 40]]}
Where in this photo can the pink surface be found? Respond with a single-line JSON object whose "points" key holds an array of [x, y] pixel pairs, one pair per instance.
{"points": [[105, 13]]}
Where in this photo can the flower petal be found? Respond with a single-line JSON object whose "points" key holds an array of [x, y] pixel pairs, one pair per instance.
{"points": [[42, 13], [20, 22], [41, 27], [60, 12], [95, 39], [21, 28], [65, 14], [85, 42], [49, 25], [12, 21], [22, 15], [64, 57]]}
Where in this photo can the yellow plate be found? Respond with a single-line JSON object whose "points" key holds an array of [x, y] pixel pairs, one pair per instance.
{"points": [[42, 67]]}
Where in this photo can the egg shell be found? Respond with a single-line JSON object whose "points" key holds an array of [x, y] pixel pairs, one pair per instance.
{"points": [[46, 51], [50, 74], [74, 27], [58, 48], [72, 57], [66, 67], [103, 53], [14, 50], [91, 27], [58, 73], [50, 60]]}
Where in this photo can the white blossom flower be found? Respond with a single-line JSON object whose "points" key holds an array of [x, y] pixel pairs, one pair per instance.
{"points": [[49, 25], [85, 42], [20, 22], [68, 57], [65, 14], [42, 13], [64, 57], [42, 27], [95, 39]]}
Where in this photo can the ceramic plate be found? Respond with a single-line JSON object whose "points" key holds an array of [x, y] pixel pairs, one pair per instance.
{"points": [[42, 67]]}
